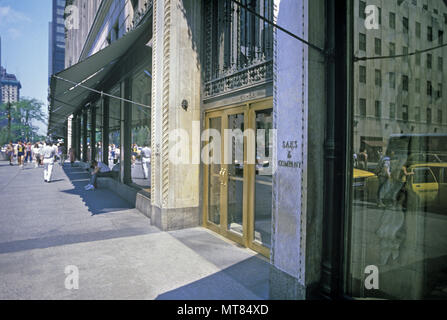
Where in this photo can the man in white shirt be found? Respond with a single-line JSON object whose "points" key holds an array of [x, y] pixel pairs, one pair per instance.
{"points": [[48, 153]]}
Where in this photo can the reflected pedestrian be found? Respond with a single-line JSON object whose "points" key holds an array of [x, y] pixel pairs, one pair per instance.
{"points": [[401, 194], [384, 175], [363, 160], [72, 156], [146, 160]]}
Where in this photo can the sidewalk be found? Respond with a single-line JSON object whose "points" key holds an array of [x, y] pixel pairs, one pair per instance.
{"points": [[46, 227]]}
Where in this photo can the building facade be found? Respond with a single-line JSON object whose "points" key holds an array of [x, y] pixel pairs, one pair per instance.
{"points": [[251, 111]]}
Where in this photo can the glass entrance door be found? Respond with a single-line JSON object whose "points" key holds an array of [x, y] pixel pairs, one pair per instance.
{"points": [[238, 174], [235, 164]]}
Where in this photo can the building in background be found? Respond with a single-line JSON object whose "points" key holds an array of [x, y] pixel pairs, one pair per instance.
{"points": [[56, 50], [9, 84]]}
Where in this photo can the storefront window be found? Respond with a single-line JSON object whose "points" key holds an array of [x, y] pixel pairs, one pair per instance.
{"points": [[115, 130], [141, 128], [397, 220]]}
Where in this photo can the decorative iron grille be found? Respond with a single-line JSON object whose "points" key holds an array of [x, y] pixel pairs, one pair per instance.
{"points": [[239, 45]]}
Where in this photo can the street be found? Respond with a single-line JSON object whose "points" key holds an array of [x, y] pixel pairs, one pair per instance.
{"points": [[46, 227]]}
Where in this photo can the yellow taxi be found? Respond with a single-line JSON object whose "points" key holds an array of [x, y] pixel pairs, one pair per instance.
{"points": [[364, 185], [427, 186]]}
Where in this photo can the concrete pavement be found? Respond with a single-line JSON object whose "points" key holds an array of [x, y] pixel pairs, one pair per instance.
{"points": [[46, 227]]}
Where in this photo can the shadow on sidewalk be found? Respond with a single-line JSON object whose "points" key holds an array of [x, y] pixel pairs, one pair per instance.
{"points": [[99, 201], [246, 280]]}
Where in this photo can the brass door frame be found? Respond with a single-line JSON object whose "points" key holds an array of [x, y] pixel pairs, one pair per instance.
{"points": [[206, 222], [247, 239]]}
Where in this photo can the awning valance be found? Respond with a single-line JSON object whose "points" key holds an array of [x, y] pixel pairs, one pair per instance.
{"points": [[67, 96], [374, 143]]}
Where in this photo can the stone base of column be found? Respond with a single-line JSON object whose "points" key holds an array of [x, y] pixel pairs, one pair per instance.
{"points": [[286, 287], [143, 204], [175, 219]]}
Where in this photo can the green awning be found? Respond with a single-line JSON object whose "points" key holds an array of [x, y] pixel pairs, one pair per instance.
{"points": [[67, 97]]}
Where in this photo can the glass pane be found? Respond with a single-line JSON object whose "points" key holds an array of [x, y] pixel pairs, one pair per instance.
{"points": [[236, 173], [141, 128], [263, 181], [214, 178], [115, 131], [398, 221]]}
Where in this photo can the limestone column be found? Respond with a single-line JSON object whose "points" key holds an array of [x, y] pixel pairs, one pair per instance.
{"points": [[177, 78], [299, 103]]}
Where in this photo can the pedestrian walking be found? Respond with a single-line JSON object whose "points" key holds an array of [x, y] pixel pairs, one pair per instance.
{"points": [[10, 153], [36, 155], [48, 154], [28, 149], [20, 153]]}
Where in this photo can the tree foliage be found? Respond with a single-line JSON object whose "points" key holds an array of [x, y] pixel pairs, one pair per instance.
{"points": [[24, 115]]}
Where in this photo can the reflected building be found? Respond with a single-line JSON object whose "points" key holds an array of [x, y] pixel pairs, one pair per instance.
{"points": [[401, 95]]}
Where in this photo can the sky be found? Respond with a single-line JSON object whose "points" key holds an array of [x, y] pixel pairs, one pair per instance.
{"points": [[24, 32]]}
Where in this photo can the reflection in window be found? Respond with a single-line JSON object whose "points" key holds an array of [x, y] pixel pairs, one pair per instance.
{"points": [[398, 219], [141, 128], [263, 182]]}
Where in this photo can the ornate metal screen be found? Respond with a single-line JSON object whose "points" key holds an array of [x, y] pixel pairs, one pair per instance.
{"points": [[239, 46]]}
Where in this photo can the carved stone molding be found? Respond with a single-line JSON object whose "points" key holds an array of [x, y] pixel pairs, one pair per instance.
{"points": [[259, 73], [154, 110], [165, 102]]}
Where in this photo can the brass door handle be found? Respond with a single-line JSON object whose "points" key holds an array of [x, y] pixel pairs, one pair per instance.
{"points": [[223, 174]]}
